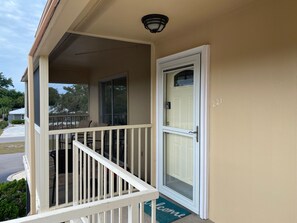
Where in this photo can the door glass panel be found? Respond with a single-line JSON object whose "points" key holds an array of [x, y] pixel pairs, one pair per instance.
{"points": [[178, 98], [120, 101], [106, 102], [178, 164], [114, 101]]}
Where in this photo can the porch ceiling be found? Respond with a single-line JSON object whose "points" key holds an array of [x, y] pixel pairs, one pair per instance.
{"points": [[77, 52], [122, 18]]}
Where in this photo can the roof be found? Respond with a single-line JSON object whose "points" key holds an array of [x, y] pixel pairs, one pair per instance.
{"points": [[20, 111]]}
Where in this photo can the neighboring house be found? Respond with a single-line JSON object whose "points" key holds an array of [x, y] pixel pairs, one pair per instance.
{"points": [[17, 114], [204, 111]]}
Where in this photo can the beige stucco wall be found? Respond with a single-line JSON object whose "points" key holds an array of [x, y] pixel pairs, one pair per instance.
{"points": [[135, 63], [253, 110]]}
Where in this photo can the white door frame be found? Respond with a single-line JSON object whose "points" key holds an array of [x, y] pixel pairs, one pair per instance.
{"points": [[204, 126]]}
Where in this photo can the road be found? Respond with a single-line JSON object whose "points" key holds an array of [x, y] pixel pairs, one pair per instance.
{"points": [[9, 164], [12, 139]]}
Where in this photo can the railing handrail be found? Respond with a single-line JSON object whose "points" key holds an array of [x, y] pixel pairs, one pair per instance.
{"points": [[144, 191], [102, 128], [124, 174], [78, 211], [67, 115]]}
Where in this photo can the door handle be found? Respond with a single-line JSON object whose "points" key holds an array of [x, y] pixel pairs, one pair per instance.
{"points": [[196, 132]]}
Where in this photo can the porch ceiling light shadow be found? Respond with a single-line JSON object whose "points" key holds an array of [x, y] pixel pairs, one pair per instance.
{"points": [[155, 23]]}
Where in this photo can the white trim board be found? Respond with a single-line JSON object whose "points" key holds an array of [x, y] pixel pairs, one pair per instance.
{"points": [[204, 122]]}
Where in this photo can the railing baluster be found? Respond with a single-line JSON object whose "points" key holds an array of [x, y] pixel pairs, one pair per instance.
{"points": [[139, 153], [102, 153], [66, 168], [105, 191], [84, 178], [118, 146], [145, 154], [110, 145], [120, 194], [80, 172], [98, 188], [125, 154], [110, 158], [153, 211], [94, 140], [88, 182], [93, 168], [75, 175], [89, 179], [125, 149], [130, 188], [132, 150], [118, 156], [102, 142], [85, 138], [57, 170], [151, 159], [111, 194], [141, 212], [81, 175], [132, 213]]}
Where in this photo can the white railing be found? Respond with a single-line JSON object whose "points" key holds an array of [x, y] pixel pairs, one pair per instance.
{"points": [[97, 178], [27, 156], [38, 164], [127, 146], [66, 121], [27, 135], [101, 201]]}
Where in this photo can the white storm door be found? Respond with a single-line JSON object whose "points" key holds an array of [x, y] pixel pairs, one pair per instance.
{"points": [[178, 134]]}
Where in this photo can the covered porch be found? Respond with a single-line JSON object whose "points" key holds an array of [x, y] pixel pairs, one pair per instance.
{"points": [[247, 155], [116, 125]]}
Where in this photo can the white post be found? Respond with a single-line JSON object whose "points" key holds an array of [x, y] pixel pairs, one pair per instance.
{"points": [[132, 213], [75, 175], [153, 119], [153, 211], [31, 136], [44, 139]]}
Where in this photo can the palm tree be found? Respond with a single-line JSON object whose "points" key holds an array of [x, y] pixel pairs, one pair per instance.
{"points": [[4, 112]]}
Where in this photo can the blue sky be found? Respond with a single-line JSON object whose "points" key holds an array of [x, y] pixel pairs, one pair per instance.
{"points": [[18, 22]]}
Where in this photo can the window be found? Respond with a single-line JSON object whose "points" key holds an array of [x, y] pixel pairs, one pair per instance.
{"points": [[113, 99], [183, 78]]}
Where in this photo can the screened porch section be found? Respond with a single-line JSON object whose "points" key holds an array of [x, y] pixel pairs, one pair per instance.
{"points": [[115, 78]]}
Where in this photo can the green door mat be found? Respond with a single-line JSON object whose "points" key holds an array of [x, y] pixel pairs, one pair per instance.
{"points": [[166, 210]]}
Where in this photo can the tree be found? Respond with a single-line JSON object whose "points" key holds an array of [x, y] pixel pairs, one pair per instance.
{"points": [[9, 98], [54, 96], [75, 99], [5, 82], [12, 200]]}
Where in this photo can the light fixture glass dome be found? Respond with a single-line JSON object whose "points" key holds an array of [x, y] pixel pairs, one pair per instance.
{"points": [[155, 23]]}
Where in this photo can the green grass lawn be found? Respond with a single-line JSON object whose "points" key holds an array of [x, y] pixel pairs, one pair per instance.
{"points": [[13, 147], [1, 131]]}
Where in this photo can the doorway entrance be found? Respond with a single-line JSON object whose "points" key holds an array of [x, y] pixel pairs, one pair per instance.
{"points": [[113, 101], [181, 124], [113, 112]]}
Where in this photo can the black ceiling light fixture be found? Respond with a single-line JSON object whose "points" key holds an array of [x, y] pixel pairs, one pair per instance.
{"points": [[155, 23]]}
